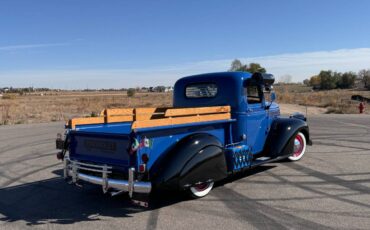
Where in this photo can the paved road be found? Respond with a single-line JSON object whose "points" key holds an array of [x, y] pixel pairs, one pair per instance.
{"points": [[328, 189]]}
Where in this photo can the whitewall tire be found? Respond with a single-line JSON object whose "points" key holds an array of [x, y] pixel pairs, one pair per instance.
{"points": [[299, 148], [201, 190]]}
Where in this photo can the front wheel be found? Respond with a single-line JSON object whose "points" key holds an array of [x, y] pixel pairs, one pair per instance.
{"points": [[299, 147], [201, 190]]}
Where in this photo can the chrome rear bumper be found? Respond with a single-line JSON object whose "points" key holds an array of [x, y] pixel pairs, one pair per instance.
{"points": [[71, 170]]}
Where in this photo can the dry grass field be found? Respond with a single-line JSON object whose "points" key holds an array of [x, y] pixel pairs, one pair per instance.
{"points": [[334, 101], [61, 106]]}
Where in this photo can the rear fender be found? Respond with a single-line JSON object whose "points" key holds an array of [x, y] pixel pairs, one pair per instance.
{"points": [[208, 164], [188, 161], [280, 140]]}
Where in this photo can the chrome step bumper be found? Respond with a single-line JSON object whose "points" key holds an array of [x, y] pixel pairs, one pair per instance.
{"points": [[71, 170]]}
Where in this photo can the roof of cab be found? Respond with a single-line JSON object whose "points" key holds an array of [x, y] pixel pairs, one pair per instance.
{"points": [[230, 89], [236, 76]]}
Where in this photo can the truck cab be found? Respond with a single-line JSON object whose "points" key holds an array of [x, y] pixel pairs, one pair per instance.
{"points": [[252, 112], [220, 124]]}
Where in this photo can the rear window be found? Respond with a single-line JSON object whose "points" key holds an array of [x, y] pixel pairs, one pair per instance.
{"points": [[201, 90]]}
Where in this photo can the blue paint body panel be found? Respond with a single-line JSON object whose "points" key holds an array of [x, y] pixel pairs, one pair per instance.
{"points": [[117, 128], [164, 140], [110, 149]]}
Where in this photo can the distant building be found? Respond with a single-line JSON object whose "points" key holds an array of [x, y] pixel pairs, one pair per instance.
{"points": [[168, 89]]}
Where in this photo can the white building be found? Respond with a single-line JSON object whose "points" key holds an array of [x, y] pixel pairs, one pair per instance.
{"points": [[168, 89]]}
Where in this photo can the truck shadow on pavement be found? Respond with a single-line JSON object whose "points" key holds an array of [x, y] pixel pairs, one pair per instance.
{"points": [[54, 201]]}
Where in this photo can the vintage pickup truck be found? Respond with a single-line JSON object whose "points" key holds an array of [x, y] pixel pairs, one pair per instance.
{"points": [[220, 124]]}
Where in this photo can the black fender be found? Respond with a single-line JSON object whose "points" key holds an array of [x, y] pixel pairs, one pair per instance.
{"points": [[196, 158], [280, 141]]}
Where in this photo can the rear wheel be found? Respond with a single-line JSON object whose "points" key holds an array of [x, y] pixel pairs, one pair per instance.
{"points": [[299, 147], [201, 189]]}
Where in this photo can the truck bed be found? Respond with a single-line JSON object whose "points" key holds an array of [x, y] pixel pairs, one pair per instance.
{"points": [[107, 139]]}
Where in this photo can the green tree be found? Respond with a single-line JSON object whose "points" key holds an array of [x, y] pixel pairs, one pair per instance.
{"points": [[315, 81], [160, 88], [328, 79], [306, 82], [346, 80], [131, 92], [237, 65], [255, 67]]}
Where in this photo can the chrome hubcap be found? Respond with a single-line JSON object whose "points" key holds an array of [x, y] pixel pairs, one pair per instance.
{"points": [[297, 145]]}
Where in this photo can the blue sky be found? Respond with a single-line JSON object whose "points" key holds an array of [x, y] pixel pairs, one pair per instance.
{"points": [[100, 44]]}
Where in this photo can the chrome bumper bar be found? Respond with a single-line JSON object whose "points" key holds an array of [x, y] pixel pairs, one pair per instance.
{"points": [[71, 170]]}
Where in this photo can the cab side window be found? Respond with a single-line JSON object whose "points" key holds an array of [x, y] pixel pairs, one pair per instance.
{"points": [[253, 94]]}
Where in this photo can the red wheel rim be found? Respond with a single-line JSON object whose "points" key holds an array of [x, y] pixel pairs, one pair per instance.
{"points": [[298, 145], [201, 187]]}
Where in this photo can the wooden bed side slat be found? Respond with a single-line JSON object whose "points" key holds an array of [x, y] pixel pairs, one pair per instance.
{"points": [[119, 112], [114, 119], [85, 121], [143, 117], [98, 120], [179, 120], [118, 115], [144, 113], [199, 110]]}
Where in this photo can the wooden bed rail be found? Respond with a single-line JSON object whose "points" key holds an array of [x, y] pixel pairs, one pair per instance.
{"points": [[153, 117]]}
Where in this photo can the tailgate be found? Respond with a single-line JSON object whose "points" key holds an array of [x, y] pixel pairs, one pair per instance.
{"points": [[100, 148]]}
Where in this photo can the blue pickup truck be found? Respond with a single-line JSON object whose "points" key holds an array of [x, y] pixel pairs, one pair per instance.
{"points": [[220, 124]]}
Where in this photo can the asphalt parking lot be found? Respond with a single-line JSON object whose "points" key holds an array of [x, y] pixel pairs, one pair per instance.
{"points": [[328, 189]]}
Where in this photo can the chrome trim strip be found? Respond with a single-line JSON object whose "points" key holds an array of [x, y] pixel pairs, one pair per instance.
{"points": [[93, 165], [93, 170]]}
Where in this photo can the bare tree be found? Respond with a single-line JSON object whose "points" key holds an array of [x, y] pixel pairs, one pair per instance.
{"points": [[285, 78], [236, 65], [364, 75]]}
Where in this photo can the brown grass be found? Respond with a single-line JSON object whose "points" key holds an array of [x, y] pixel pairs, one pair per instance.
{"points": [[336, 101], [62, 106]]}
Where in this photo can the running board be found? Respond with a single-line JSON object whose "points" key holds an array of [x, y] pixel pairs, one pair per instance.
{"points": [[265, 160]]}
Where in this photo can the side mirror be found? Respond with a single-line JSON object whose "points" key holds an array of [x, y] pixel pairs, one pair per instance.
{"points": [[272, 97]]}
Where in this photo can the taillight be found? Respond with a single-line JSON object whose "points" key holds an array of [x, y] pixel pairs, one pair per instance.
{"points": [[142, 168], [145, 158]]}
